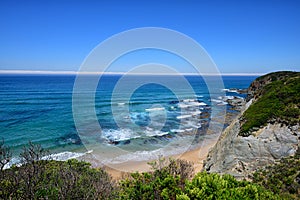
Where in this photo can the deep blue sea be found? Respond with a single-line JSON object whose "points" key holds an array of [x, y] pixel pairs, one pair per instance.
{"points": [[39, 108]]}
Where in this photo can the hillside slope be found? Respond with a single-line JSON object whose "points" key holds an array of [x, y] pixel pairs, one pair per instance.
{"points": [[268, 130]]}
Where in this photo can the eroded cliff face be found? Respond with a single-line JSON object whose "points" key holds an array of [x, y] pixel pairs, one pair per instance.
{"points": [[240, 156]]}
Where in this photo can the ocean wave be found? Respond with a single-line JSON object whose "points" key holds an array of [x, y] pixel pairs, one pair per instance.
{"points": [[177, 131], [195, 113], [145, 155], [217, 100], [233, 90], [66, 155], [186, 103], [154, 109], [183, 105], [189, 100], [222, 100], [152, 133], [119, 135], [62, 156], [183, 116]]}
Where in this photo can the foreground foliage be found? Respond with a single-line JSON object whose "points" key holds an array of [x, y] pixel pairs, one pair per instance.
{"points": [[49, 179], [169, 179], [283, 177], [167, 183], [278, 101]]}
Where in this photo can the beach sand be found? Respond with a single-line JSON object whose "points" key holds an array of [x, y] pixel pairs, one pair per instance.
{"points": [[196, 156]]}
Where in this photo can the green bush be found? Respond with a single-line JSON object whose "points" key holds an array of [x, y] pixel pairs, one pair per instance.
{"points": [[214, 186], [166, 181]]}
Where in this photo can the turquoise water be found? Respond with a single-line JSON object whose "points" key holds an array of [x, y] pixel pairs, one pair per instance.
{"points": [[39, 108]]}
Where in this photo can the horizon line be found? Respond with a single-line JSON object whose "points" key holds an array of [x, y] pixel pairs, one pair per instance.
{"points": [[45, 72]]}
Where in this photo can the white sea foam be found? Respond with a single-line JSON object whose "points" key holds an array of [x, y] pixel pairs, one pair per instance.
{"points": [[180, 105], [119, 135], [231, 90], [145, 155], [190, 103], [234, 91], [121, 104], [154, 109], [62, 156], [202, 104], [229, 97], [13, 161], [216, 100], [222, 103], [189, 100], [177, 130], [192, 124], [197, 112], [172, 108], [222, 100], [183, 116], [151, 133]]}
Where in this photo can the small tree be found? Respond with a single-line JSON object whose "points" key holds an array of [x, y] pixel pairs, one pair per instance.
{"points": [[32, 169], [32, 153]]}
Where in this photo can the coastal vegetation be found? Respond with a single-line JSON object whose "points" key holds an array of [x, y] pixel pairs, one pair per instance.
{"points": [[48, 179], [169, 179], [281, 178], [277, 99]]}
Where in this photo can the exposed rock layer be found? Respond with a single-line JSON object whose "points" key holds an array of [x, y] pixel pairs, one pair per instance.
{"points": [[241, 156]]}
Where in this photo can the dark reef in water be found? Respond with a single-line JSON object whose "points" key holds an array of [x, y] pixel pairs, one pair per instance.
{"points": [[71, 138]]}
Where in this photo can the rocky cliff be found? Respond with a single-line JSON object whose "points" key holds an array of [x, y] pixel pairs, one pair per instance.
{"points": [[267, 129]]}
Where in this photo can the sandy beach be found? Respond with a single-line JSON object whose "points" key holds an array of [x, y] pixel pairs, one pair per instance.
{"points": [[196, 156]]}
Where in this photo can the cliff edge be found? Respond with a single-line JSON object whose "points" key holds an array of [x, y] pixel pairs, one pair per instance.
{"points": [[267, 130]]}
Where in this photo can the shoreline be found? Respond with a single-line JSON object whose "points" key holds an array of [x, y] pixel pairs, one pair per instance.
{"points": [[196, 156]]}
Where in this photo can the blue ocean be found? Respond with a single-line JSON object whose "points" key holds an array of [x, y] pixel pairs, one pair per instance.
{"points": [[38, 108]]}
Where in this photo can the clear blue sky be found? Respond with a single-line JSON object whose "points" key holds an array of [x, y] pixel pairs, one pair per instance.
{"points": [[241, 36]]}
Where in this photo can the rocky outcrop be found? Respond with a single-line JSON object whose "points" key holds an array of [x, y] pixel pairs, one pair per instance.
{"points": [[255, 89], [240, 156]]}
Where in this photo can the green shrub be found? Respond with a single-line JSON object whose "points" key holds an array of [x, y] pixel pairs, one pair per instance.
{"points": [[166, 181], [214, 186]]}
